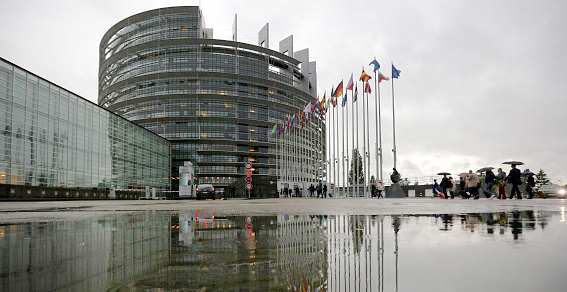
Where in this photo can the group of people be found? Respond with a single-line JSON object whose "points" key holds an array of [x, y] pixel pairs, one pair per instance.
{"points": [[376, 190], [321, 190], [469, 185]]}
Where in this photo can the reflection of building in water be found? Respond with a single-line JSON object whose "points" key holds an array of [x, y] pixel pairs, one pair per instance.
{"points": [[355, 253], [89, 255], [302, 250]]}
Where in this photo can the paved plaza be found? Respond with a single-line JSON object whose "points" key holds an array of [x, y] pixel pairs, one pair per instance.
{"points": [[24, 211]]}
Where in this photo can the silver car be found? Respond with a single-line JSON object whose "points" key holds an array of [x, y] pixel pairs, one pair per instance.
{"points": [[553, 190]]}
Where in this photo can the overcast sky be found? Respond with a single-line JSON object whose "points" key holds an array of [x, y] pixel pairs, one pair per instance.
{"points": [[482, 82]]}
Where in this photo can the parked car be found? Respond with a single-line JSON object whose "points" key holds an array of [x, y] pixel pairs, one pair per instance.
{"points": [[553, 190], [205, 191]]}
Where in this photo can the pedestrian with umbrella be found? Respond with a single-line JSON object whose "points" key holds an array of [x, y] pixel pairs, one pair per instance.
{"points": [[445, 183], [515, 179], [489, 179], [530, 183]]}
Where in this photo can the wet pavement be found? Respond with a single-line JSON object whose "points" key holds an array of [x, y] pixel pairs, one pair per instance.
{"points": [[290, 244]]}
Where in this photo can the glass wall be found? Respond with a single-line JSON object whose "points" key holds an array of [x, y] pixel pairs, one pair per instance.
{"points": [[54, 138]]}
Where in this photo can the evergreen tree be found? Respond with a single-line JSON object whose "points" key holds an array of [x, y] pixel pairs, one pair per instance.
{"points": [[541, 178], [352, 177]]}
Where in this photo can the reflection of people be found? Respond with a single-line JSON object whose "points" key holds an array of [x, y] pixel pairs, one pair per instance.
{"points": [[514, 178]]}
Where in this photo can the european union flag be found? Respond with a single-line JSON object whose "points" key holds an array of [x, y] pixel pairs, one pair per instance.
{"points": [[376, 65], [395, 72]]}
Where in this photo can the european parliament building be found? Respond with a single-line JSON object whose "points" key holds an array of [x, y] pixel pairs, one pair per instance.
{"points": [[216, 101], [168, 93]]}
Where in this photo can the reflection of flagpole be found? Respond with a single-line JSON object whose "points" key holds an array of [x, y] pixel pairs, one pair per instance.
{"points": [[393, 118]]}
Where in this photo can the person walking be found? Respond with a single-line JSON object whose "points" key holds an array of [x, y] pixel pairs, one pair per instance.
{"points": [[530, 185], [462, 188], [373, 190], [515, 179], [473, 182], [325, 190], [445, 184], [311, 190], [500, 181], [436, 188], [380, 189], [489, 180], [453, 187], [320, 189]]}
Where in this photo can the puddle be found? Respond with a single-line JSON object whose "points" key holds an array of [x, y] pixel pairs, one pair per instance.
{"points": [[151, 251]]}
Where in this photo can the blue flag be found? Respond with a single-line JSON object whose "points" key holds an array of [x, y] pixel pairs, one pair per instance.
{"points": [[345, 99], [376, 65], [355, 94], [395, 72]]}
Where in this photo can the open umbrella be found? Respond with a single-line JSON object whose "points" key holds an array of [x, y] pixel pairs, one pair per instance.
{"points": [[443, 173], [485, 169], [463, 174], [513, 162], [527, 173]]}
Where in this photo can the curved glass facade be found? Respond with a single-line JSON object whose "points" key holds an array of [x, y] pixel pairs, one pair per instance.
{"points": [[215, 100], [53, 139]]}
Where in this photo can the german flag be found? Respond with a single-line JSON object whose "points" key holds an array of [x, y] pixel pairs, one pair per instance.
{"points": [[339, 91]]}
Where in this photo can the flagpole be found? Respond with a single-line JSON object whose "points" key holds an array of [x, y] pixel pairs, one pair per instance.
{"points": [[378, 130], [393, 120], [343, 144], [368, 142], [335, 149], [353, 170], [338, 165], [346, 139], [364, 141], [357, 148]]}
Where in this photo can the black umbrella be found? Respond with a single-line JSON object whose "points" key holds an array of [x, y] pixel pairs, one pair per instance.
{"points": [[443, 173], [527, 173], [513, 162], [485, 169]]}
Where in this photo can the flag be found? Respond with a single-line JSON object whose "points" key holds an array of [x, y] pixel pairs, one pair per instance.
{"points": [[364, 77], [307, 108], [339, 90], [355, 94], [367, 88], [344, 99], [376, 65], [350, 84], [382, 77], [395, 72], [323, 102], [275, 129]]}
